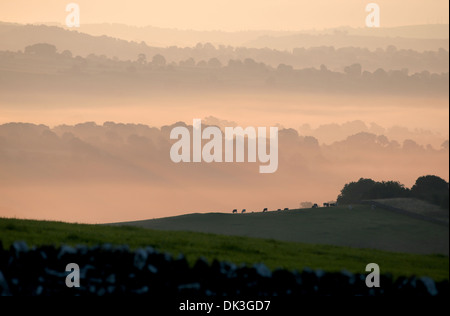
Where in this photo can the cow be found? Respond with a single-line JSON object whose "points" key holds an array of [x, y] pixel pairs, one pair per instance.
{"points": [[332, 204], [326, 204], [243, 210], [234, 211], [286, 208], [315, 205], [265, 209]]}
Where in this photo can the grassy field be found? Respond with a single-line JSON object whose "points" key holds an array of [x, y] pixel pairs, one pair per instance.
{"points": [[273, 253], [360, 227], [418, 207]]}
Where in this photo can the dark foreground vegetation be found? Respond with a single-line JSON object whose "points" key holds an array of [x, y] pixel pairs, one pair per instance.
{"points": [[108, 270]]}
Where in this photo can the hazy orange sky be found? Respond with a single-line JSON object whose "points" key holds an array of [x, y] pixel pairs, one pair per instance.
{"points": [[230, 15]]}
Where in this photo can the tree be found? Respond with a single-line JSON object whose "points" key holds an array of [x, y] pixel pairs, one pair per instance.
{"points": [[250, 64], [209, 46], [214, 63], [285, 68], [235, 63], [355, 191], [42, 49], [432, 189], [354, 70], [388, 190], [410, 145], [367, 189], [159, 60], [380, 75], [188, 63], [142, 59], [67, 54], [383, 140], [202, 64]]}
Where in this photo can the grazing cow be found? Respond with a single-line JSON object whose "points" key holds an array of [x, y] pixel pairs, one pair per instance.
{"points": [[332, 204], [244, 210], [315, 205], [265, 209], [234, 211], [279, 210], [326, 204], [286, 208]]}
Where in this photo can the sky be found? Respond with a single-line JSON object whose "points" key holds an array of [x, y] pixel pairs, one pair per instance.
{"points": [[125, 179], [230, 15]]}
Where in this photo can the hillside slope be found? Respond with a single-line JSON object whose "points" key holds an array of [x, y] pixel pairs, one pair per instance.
{"points": [[239, 250], [360, 227], [418, 207]]}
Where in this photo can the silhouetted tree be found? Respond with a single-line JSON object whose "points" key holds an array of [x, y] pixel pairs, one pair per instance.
{"points": [[380, 74], [354, 70], [382, 140], [367, 189], [282, 68], [388, 190], [67, 53], [142, 59], [410, 145], [208, 46], [214, 63], [159, 60], [236, 64], [429, 188], [42, 49], [188, 63], [250, 64], [202, 64], [355, 191], [432, 189]]}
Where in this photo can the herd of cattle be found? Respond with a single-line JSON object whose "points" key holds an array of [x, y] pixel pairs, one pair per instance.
{"points": [[235, 211]]}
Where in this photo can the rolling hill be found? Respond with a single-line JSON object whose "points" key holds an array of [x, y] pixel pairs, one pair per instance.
{"points": [[239, 250], [421, 208], [360, 227]]}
